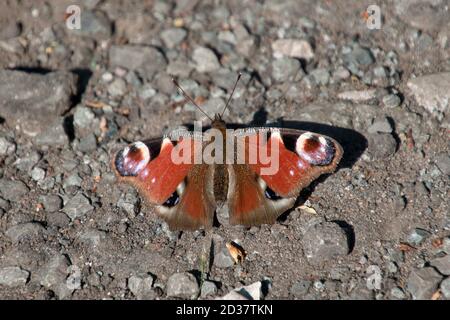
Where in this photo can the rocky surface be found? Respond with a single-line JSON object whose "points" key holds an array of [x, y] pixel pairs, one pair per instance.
{"points": [[378, 228]]}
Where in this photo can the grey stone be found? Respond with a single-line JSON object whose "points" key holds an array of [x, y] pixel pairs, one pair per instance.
{"points": [[94, 24], [358, 95], [173, 36], [24, 231], [73, 281], [374, 277], [13, 45], [392, 267], [247, 47], [382, 145], [443, 162], [428, 14], [446, 245], [379, 72], [141, 286], [4, 204], [6, 147], [359, 56], [144, 59], [445, 288], [55, 135], [53, 274], [10, 29], [391, 101], [321, 76], [209, 288], [341, 73], [107, 77], [250, 292], [13, 276], [13, 190], [224, 78], [324, 242], [205, 60], [211, 106], [424, 42], [285, 69], [164, 83], [83, 118], [422, 283], [33, 101], [294, 48], [339, 273], [319, 285], [182, 285], [382, 125], [442, 264], [397, 293], [431, 91], [128, 202], [117, 88], [300, 288], [37, 174], [57, 219], [26, 163], [417, 236], [179, 68], [72, 180], [92, 237], [78, 206], [227, 36], [51, 202], [87, 144], [223, 259], [147, 91]]}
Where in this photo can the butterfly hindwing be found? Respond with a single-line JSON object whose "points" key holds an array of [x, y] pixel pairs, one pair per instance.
{"points": [[250, 202]]}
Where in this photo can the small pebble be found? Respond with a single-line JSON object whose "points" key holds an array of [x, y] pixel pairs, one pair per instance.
{"points": [[37, 174], [182, 285], [205, 60], [417, 236], [13, 276], [391, 101]]}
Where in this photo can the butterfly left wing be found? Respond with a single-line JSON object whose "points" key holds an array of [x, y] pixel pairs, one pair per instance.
{"points": [[180, 190], [261, 190]]}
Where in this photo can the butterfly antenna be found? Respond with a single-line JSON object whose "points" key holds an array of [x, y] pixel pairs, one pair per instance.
{"points": [[231, 95], [175, 82]]}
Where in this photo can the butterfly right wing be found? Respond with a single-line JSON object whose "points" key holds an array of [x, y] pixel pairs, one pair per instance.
{"points": [[258, 194]]}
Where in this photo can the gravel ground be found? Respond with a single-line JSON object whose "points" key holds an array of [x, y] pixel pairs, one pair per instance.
{"points": [[376, 229]]}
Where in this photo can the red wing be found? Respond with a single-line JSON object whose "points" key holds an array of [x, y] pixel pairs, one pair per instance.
{"points": [[196, 205], [156, 178], [259, 189], [309, 155], [163, 178], [247, 201]]}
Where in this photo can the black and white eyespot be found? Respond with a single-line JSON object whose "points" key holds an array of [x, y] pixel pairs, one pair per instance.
{"points": [[175, 197], [268, 192], [315, 149], [132, 159]]}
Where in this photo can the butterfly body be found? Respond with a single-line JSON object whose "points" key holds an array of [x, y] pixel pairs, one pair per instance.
{"points": [[256, 191]]}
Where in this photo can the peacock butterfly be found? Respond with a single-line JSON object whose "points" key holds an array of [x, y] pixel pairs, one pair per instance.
{"points": [[257, 172]]}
